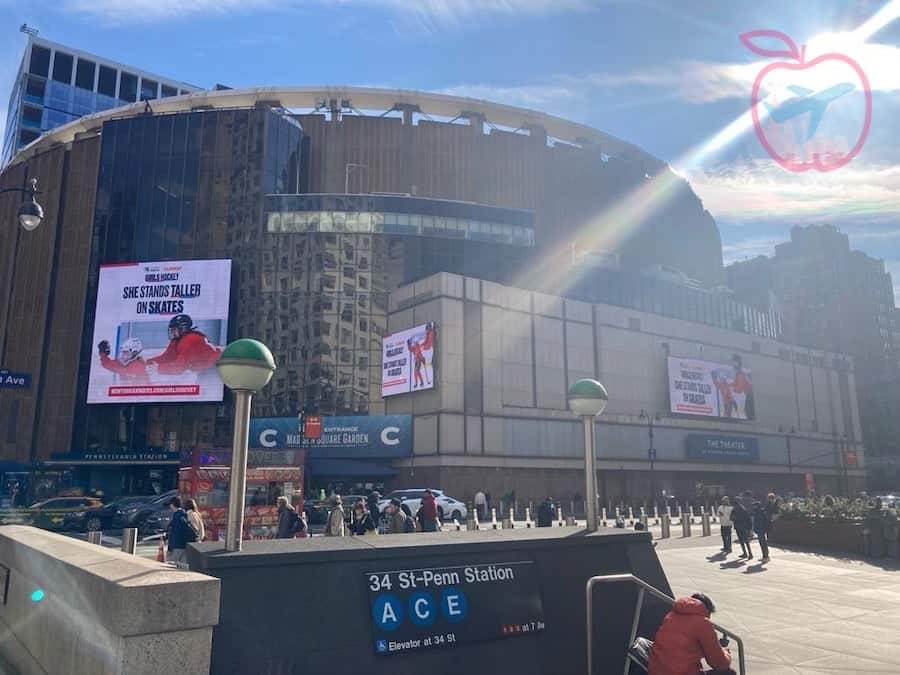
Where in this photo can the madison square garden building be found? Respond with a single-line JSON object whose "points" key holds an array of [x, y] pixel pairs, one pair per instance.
{"points": [[345, 217]]}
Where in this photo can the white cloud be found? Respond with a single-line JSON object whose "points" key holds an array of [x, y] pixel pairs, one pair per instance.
{"points": [[706, 81], [430, 11], [749, 248], [760, 189], [540, 96]]}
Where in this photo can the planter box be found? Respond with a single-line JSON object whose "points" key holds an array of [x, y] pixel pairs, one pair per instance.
{"points": [[828, 535]]}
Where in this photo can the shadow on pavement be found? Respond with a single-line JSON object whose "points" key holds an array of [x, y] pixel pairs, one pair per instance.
{"points": [[733, 565], [753, 569], [718, 557]]}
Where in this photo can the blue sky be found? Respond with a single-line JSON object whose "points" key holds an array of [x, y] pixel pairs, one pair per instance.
{"points": [[667, 76]]}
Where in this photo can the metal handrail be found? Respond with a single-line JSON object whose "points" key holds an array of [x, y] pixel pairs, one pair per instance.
{"points": [[659, 595]]}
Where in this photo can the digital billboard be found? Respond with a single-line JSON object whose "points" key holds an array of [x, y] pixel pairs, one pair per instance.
{"points": [[709, 389], [158, 331], [408, 360]]}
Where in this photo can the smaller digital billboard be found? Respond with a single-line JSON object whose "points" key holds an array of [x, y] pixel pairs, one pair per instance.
{"points": [[407, 362], [710, 389], [159, 329]]}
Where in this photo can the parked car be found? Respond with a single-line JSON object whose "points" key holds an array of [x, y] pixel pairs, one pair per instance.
{"points": [[50, 514], [135, 515], [448, 507], [156, 521], [101, 517]]}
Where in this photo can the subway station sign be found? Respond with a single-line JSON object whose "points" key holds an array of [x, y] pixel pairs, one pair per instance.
{"points": [[414, 610], [739, 449]]}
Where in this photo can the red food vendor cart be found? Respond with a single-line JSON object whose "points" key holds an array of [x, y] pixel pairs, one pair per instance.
{"points": [[208, 484]]}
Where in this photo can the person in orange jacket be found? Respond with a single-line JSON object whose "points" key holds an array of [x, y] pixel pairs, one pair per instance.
{"points": [[685, 637], [188, 349], [129, 365]]}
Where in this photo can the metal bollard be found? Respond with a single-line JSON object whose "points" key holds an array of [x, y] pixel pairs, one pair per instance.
{"points": [[666, 526], [603, 516], [704, 519], [512, 518], [644, 521], [493, 518], [528, 516], [95, 537], [129, 540], [559, 515], [685, 526]]}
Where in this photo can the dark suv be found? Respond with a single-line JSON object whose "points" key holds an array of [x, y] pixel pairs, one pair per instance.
{"points": [[135, 515]]}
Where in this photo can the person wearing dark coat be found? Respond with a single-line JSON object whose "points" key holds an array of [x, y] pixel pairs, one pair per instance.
{"points": [[361, 521], [289, 521], [178, 534], [742, 526], [372, 503], [762, 523], [545, 513]]}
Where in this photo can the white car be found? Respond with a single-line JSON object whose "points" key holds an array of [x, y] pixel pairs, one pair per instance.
{"points": [[448, 508]]}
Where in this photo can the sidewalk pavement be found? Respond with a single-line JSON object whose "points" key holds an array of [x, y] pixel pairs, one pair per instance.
{"points": [[802, 613]]}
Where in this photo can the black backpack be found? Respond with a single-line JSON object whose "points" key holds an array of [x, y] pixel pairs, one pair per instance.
{"points": [[297, 525], [409, 524]]}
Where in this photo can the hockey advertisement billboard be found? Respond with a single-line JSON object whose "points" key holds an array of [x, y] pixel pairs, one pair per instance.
{"points": [[407, 362], [158, 332], [709, 389]]}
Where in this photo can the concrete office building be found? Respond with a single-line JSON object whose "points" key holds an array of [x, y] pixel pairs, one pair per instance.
{"points": [[326, 201], [57, 84], [832, 297], [497, 420]]}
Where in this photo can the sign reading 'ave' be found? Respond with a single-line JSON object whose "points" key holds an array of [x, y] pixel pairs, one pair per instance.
{"points": [[12, 380]]}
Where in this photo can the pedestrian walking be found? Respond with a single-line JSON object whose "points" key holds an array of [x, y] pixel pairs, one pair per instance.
{"points": [[427, 516], [372, 503], [545, 513], [724, 513], [290, 524], [742, 526], [178, 534], [761, 525], [398, 521], [195, 519], [335, 525], [481, 505], [362, 523]]}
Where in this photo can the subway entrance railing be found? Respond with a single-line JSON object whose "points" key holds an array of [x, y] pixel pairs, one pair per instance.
{"points": [[643, 587]]}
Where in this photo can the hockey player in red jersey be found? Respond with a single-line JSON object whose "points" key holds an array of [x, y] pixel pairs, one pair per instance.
{"points": [[188, 349], [129, 365]]}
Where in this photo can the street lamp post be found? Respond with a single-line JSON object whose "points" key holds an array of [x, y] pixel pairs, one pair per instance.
{"points": [[30, 213], [651, 452], [246, 366], [588, 399]]}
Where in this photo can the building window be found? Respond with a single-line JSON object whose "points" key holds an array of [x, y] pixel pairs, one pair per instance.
{"points": [[26, 136], [62, 67], [84, 74], [168, 91], [127, 87], [31, 117], [40, 61], [34, 90], [148, 89], [106, 81]]}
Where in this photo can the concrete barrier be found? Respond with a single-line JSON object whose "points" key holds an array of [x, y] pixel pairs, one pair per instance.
{"points": [[73, 607]]}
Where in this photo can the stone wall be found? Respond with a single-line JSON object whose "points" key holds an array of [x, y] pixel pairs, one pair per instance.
{"points": [[73, 607]]}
